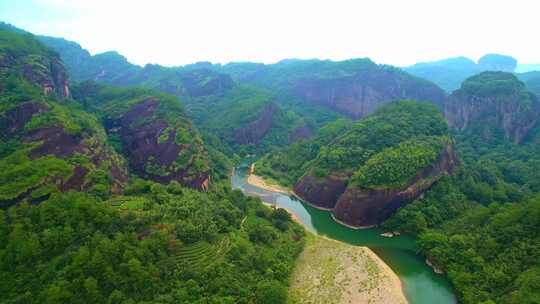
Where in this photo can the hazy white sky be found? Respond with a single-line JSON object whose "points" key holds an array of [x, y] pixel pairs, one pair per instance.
{"points": [[399, 32]]}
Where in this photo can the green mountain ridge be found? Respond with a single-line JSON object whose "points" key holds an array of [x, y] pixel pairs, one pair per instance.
{"points": [[96, 198], [115, 188], [451, 72]]}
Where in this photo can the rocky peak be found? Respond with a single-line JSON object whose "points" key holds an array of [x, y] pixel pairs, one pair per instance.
{"points": [[497, 62], [493, 101]]}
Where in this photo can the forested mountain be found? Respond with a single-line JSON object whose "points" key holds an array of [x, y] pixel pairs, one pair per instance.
{"points": [[48, 143], [252, 119], [114, 178], [305, 94], [494, 104], [449, 73], [352, 87], [94, 203], [366, 171], [481, 224], [355, 87], [113, 68], [532, 80]]}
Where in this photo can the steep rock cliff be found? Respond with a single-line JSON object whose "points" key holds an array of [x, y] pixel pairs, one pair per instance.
{"points": [[154, 150], [381, 163], [152, 130], [255, 131], [493, 101], [365, 207], [361, 94], [321, 192], [355, 87]]}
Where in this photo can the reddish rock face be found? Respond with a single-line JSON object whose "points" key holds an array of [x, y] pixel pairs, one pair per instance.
{"points": [[15, 119], [140, 143], [361, 94], [54, 141], [361, 207], [62, 145], [254, 132], [322, 193]]}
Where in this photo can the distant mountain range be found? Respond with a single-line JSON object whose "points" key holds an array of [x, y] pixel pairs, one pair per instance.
{"points": [[451, 72]]}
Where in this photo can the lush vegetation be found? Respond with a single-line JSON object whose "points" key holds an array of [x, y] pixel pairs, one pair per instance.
{"points": [[395, 167], [532, 80], [164, 243], [287, 71], [155, 243], [346, 147], [110, 104], [29, 168], [168, 245], [500, 84], [481, 224], [207, 92], [236, 109], [286, 166]]}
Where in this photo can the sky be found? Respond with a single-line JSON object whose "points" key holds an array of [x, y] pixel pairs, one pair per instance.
{"points": [[398, 32]]}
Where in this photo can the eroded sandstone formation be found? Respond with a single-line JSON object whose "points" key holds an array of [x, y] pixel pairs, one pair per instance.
{"points": [[361, 94], [493, 101], [53, 140], [363, 207], [155, 158]]}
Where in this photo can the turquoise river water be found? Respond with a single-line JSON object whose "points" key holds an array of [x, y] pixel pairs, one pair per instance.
{"points": [[420, 284]]}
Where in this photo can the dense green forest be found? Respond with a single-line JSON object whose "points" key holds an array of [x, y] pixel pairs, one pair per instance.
{"points": [[395, 166], [343, 146], [287, 165], [115, 188], [206, 92], [77, 224], [159, 244], [480, 225]]}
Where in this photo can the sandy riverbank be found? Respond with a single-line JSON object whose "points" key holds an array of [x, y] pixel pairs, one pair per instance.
{"points": [[329, 271], [260, 182]]}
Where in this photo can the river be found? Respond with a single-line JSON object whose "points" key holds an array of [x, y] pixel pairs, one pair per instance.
{"points": [[421, 285]]}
